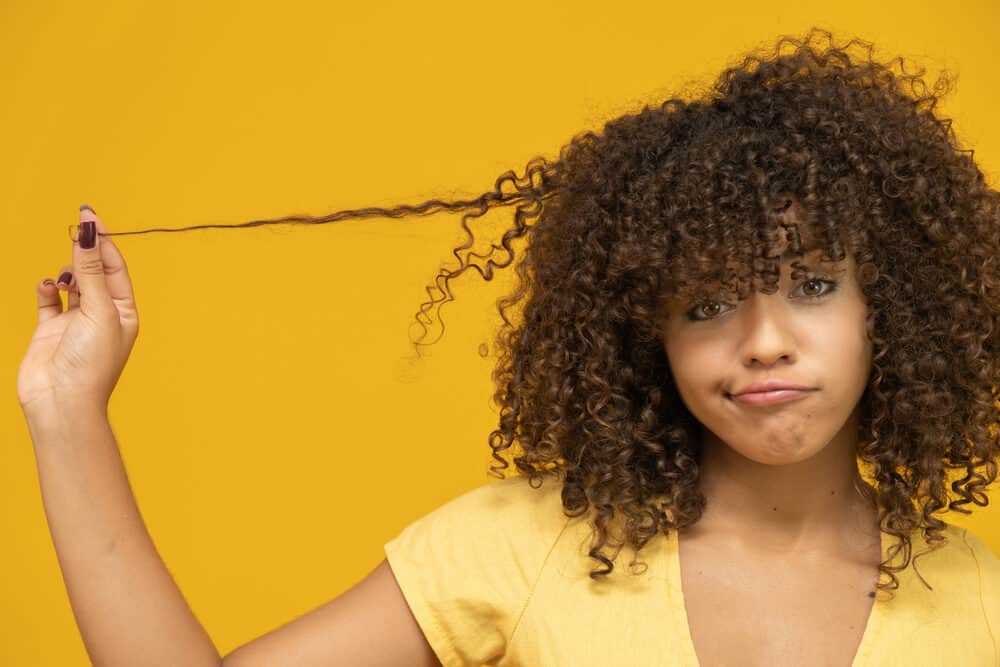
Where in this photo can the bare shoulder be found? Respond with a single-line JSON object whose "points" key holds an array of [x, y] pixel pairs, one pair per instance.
{"points": [[369, 624]]}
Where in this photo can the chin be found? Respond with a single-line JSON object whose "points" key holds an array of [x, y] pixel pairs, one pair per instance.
{"points": [[786, 454]]}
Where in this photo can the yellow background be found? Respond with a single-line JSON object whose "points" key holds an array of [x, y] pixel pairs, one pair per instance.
{"points": [[273, 434]]}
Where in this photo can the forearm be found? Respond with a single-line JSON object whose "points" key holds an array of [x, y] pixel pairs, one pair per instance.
{"points": [[126, 604]]}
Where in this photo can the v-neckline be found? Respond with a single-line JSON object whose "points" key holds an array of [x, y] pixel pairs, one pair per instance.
{"points": [[675, 594]]}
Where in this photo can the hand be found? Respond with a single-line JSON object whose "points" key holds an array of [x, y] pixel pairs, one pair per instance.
{"points": [[76, 356]]}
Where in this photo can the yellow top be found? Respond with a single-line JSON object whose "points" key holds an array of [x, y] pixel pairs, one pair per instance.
{"points": [[499, 576]]}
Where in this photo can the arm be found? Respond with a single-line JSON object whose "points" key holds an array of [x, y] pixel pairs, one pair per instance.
{"points": [[369, 625], [127, 606]]}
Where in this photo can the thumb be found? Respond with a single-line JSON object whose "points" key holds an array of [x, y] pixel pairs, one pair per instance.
{"points": [[88, 265]]}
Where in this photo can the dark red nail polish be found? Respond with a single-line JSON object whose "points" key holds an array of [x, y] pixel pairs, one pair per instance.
{"points": [[65, 277], [88, 235]]}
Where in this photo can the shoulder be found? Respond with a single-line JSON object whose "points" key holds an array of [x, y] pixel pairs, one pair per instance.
{"points": [[968, 554], [963, 554], [513, 501], [467, 567], [505, 526], [970, 569], [985, 556], [988, 567]]}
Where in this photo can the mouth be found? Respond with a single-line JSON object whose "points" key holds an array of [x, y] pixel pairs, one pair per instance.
{"points": [[774, 397]]}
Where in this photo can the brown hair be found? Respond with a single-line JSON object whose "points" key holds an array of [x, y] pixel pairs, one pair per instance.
{"points": [[659, 200]]}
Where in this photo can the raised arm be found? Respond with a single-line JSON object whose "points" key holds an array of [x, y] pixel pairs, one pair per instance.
{"points": [[127, 607], [131, 612]]}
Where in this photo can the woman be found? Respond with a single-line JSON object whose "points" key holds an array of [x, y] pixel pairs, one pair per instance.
{"points": [[734, 308]]}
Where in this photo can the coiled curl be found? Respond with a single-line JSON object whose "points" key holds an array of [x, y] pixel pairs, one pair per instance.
{"points": [[659, 200]]}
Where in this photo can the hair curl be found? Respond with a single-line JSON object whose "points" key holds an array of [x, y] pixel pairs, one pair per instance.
{"points": [[656, 203]]}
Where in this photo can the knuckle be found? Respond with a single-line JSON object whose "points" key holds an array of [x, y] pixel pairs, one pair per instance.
{"points": [[91, 265]]}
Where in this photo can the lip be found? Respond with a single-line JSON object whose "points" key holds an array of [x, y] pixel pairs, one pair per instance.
{"points": [[770, 397], [774, 384]]}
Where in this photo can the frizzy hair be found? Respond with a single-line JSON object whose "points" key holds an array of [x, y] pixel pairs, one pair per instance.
{"points": [[658, 201]]}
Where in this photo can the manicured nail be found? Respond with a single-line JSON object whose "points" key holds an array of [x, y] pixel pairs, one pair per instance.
{"points": [[86, 207], [65, 277], [88, 234]]}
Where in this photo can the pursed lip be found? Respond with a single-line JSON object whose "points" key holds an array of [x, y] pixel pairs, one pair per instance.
{"points": [[770, 385]]}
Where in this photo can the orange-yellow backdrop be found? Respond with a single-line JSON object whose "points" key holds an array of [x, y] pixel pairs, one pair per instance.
{"points": [[273, 434]]}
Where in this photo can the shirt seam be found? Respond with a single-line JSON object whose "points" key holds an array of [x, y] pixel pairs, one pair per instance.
{"points": [[982, 602], [538, 578]]}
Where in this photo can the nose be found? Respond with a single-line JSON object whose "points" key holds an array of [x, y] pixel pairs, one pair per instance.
{"points": [[766, 330]]}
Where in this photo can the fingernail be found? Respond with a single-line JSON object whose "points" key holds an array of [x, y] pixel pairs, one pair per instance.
{"points": [[86, 207], [88, 234], [65, 277]]}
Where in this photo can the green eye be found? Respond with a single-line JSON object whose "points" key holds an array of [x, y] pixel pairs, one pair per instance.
{"points": [[813, 282], [708, 310]]}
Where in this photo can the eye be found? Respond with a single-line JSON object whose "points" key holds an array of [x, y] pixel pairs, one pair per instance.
{"points": [[708, 310], [832, 286], [712, 306]]}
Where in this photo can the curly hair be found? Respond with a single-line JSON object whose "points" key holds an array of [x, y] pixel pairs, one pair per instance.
{"points": [[665, 199]]}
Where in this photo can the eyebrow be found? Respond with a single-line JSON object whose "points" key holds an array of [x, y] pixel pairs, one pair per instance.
{"points": [[789, 254]]}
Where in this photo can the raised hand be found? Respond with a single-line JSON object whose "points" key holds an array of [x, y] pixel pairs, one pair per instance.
{"points": [[76, 355]]}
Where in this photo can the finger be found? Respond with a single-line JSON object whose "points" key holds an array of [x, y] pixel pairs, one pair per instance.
{"points": [[49, 302], [72, 297], [101, 272], [65, 278], [66, 283]]}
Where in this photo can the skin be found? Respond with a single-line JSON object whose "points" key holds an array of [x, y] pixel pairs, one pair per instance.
{"points": [[780, 478]]}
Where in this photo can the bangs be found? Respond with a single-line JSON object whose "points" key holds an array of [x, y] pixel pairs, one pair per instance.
{"points": [[724, 258]]}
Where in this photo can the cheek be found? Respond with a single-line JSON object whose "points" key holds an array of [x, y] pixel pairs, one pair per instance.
{"points": [[845, 346], [695, 366]]}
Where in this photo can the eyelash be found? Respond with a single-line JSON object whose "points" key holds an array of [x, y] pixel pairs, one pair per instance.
{"points": [[832, 284]]}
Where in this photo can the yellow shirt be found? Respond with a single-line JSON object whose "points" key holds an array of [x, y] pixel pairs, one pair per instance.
{"points": [[499, 576]]}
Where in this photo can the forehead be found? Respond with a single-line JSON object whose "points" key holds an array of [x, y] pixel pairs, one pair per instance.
{"points": [[812, 259], [697, 278], [812, 254]]}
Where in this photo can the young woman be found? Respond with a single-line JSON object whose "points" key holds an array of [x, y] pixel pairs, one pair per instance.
{"points": [[759, 330]]}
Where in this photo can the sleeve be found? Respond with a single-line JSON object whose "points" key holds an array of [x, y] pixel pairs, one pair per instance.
{"points": [[467, 568], [989, 583]]}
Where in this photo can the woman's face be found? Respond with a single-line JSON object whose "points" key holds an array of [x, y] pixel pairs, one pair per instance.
{"points": [[809, 333]]}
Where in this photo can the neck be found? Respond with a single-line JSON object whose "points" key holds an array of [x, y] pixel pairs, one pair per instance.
{"points": [[808, 506]]}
